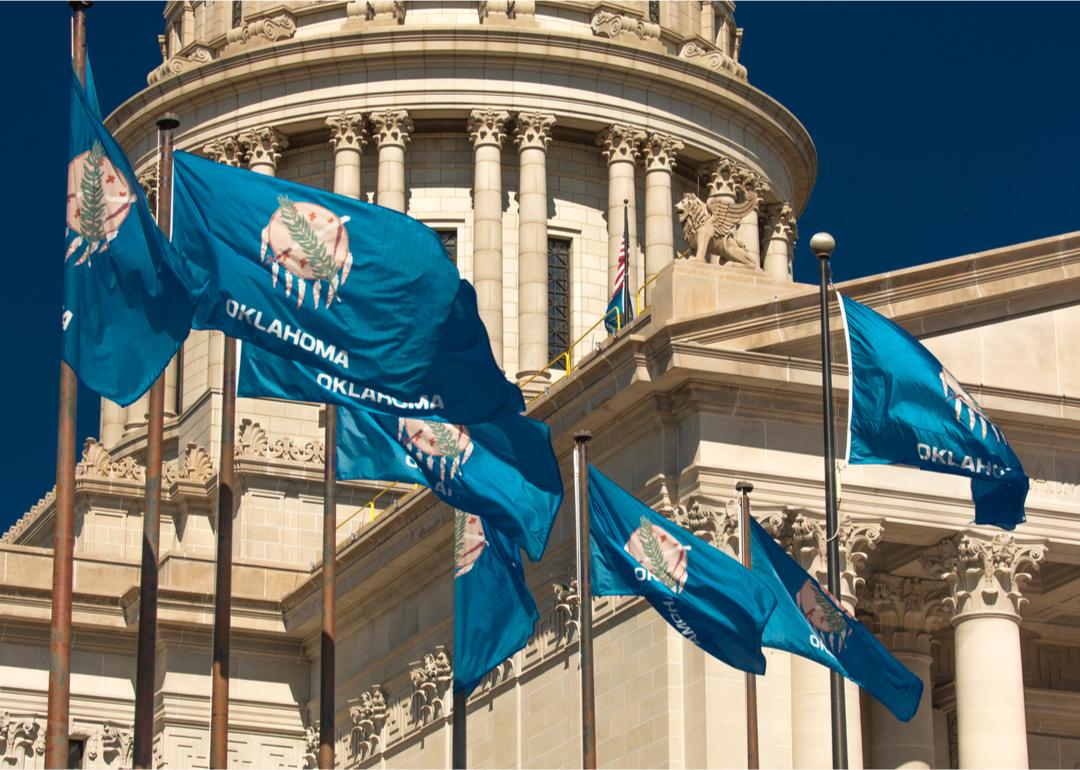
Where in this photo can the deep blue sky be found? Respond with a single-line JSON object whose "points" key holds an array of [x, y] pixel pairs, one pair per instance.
{"points": [[941, 128]]}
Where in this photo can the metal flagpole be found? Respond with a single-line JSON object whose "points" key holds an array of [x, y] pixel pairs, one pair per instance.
{"points": [[822, 245], [142, 754], [459, 751], [581, 505], [329, 606], [744, 488], [219, 696], [56, 730]]}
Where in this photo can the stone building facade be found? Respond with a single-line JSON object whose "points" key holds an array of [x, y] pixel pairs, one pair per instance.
{"points": [[519, 129]]}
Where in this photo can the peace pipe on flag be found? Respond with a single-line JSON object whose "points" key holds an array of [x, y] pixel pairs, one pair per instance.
{"points": [[494, 611], [126, 308], [906, 408], [503, 470], [364, 294]]}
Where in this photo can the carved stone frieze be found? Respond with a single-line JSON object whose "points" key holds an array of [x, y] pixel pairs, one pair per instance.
{"points": [[503, 672], [28, 518], [188, 59], [718, 526], [311, 746], [268, 29], [985, 576], [227, 150], [532, 130], [368, 715], [505, 9], [907, 611], [389, 11], [661, 152], [20, 738], [392, 127], [620, 142], [609, 24], [567, 610], [431, 681], [487, 127], [348, 131], [113, 747], [196, 465], [714, 59], [97, 463], [254, 442], [263, 145]]}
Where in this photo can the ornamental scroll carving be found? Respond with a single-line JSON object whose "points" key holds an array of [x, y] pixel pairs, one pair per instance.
{"points": [[112, 746], [269, 29], [908, 610], [567, 610], [718, 526], [431, 680], [20, 738], [985, 577], [196, 465], [97, 463], [611, 25], [857, 539], [252, 442], [188, 59], [368, 715], [714, 59], [311, 746]]}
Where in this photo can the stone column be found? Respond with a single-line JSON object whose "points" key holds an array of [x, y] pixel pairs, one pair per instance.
{"points": [[780, 235], [985, 578], [532, 134], [621, 148], [112, 423], [347, 138], [907, 610], [393, 128], [708, 20], [487, 128], [660, 152], [810, 699], [262, 149], [172, 383]]}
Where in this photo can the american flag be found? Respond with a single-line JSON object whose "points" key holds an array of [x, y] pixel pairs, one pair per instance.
{"points": [[620, 312]]}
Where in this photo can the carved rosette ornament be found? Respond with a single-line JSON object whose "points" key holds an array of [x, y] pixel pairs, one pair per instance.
{"points": [[620, 143], [856, 539], [392, 127], [532, 130], [368, 715], [487, 127], [661, 151], [263, 146], [609, 24], [347, 131], [907, 610], [227, 150], [431, 680], [985, 577]]}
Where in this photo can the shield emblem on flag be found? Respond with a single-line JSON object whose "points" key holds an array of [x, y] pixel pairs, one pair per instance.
{"points": [[661, 554], [469, 541], [98, 202], [311, 243]]}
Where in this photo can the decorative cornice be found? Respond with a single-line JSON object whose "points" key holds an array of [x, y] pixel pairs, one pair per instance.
{"points": [[505, 9], [985, 576], [255, 443], [368, 715], [196, 465], [431, 680], [391, 11], [97, 463], [269, 29], [347, 131], [620, 142], [661, 151], [487, 127], [392, 127], [532, 130], [907, 611], [714, 59], [263, 146], [28, 518], [608, 24], [188, 59], [227, 150]]}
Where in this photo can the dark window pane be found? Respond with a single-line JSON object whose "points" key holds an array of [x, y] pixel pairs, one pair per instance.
{"points": [[654, 11], [237, 12], [558, 299], [449, 242], [76, 749]]}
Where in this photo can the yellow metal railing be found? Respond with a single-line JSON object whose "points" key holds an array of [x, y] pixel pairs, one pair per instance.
{"points": [[370, 507]]}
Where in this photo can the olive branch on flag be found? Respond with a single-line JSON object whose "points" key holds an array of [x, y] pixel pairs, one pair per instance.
{"points": [[445, 440], [322, 263], [92, 207], [655, 554], [460, 519]]}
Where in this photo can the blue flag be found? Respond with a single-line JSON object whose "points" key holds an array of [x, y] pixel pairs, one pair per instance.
{"points": [[906, 408], [494, 611], [126, 310], [706, 595], [503, 470], [808, 622], [363, 294]]}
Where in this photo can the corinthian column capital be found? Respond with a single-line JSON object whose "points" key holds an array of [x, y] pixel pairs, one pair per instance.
{"points": [[487, 127], [857, 539], [661, 151], [532, 130], [718, 525], [392, 127], [227, 150], [621, 143], [985, 576], [347, 131], [908, 610], [263, 146], [780, 223]]}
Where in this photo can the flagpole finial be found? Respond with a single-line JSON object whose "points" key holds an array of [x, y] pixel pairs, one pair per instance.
{"points": [[168, 121], [80, 5], [583, 436], [744, 487], [822, 245]]}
